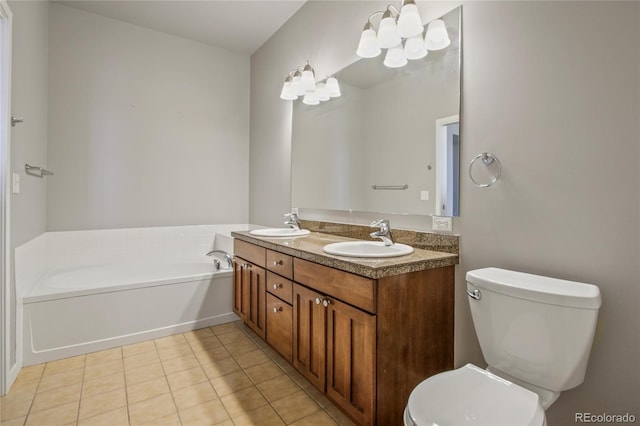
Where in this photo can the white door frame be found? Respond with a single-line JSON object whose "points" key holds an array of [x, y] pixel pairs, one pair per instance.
{"points": [[441, 159], [6, 19]]}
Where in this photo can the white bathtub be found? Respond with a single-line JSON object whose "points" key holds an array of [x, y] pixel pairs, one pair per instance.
{"points": [[77, 307]]}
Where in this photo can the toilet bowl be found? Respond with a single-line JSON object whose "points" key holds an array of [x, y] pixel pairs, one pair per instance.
{"points": [[472, 396], [535, 334]]}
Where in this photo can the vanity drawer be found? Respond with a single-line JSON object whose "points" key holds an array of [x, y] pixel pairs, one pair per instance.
{"points": [[279, 263], [350, 288], [250, 252], [280, 287], [280, 326]]}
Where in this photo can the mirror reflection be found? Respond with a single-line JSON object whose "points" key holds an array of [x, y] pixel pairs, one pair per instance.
{"points": [[390, 144]]}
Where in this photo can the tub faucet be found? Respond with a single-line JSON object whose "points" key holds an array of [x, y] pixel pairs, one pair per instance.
{"points": [[224, 255], [384, 233], [292, 221]]}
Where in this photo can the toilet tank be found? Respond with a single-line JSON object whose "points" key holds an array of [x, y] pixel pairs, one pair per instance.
{"points": [[536, 329]]}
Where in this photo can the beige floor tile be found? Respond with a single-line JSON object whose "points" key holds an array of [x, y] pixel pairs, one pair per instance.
{"points": [[106, 368], [25, 386], [317, 396], [151, 409], [195, 335], [174, 339], [19, 421], [104, 356], [142, 374], [194, 395], [319, 418], [103, 384], [61, 415], [186, 378], [227, 422], [176, 351], [239, 348], [56, 397], [339, 416], [180, 364], [138, 348], [140, 360], [65, 364], [147, 390], [252, 358], [98, 404], [224, 328], [243, 401], [221, 367], [62, 379], [209, 413], [204, 344], [225, 385], [14, 408], [299, 379], [14, 395], [263, 372], [278, 388], [170, 420], [31, 372], [295, 406], [233, 336], [263, 416], [212, 354], [118, 417]]}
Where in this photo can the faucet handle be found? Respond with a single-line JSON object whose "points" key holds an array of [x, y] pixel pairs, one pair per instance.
{"points": [[382, 223]]}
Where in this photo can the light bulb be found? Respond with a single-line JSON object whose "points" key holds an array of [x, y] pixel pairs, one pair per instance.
{"points": [[333, 87], [395, 57], [388, 31], [409, 22], [368, 46], [414, 48], [310, 98], [436, 37]]}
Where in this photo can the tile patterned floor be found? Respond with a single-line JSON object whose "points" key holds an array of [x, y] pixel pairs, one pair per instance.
{"points": [[222, 375]]}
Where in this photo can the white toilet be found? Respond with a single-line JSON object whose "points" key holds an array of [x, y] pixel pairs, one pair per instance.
{"points": [[535, 333]]}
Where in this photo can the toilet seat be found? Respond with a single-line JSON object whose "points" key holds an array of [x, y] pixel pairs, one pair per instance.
{"points": [[472, 396]]}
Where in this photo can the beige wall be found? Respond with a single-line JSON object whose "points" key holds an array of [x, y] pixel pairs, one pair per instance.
{"points": [[552, 89], [29, 139], [145, 129]]}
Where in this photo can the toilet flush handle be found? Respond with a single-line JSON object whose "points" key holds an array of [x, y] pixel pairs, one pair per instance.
{"points": [[475, 294]]}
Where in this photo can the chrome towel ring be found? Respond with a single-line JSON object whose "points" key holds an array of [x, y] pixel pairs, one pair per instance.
{"points": [[487, 159]]}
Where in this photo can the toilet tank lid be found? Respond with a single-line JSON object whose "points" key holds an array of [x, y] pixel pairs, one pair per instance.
{"points": [[536, 288]]}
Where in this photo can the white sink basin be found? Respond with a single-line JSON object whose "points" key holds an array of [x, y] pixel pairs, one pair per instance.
{"points": [[279, 232], [367, 249]]}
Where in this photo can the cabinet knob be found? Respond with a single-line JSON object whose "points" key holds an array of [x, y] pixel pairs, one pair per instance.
{"points": [[277, 309], [277, 262], [245, 266], [277, 286], [326, 302], [318, 301]]}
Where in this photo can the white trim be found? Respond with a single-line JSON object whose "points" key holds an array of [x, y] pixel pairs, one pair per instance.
{"points": [[7, 376], [441, 161]]}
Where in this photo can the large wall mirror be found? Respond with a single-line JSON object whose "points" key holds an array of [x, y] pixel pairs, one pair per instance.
{"points": [[390, 143]]}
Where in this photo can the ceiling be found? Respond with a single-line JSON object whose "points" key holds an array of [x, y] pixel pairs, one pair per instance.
{"points": [[237, 25]]}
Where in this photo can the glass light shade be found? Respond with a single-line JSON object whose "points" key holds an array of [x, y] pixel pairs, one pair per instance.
{"points": [[368, 46], [322, 92], [296, 86], [286, 93], [310, 98], [395, 57], [308, 79], [388, 32], [333, 87], [437, 37], [414, 48], [409, 22]]}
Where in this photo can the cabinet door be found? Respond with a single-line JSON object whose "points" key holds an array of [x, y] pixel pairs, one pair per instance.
{"points": [[351, 365], [254, 298], [280, 326], [309, 335], [238, 269]]}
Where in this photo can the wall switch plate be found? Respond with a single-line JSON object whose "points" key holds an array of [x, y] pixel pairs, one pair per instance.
{"points": [[424, 195], [15, 184], [440, 223]]}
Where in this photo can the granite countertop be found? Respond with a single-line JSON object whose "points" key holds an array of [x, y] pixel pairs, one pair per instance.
{"points": [[309, 248]]}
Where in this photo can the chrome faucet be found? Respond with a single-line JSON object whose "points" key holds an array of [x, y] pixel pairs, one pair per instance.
{"points": [[224, 255], [292, 220], [384, 233]]}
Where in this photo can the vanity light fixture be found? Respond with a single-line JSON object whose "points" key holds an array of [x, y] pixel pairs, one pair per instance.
{"points": [[397, 25], [301, 82]]}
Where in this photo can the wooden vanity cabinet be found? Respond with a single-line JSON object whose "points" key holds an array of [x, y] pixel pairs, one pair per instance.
{"points": [[250, 281]]}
